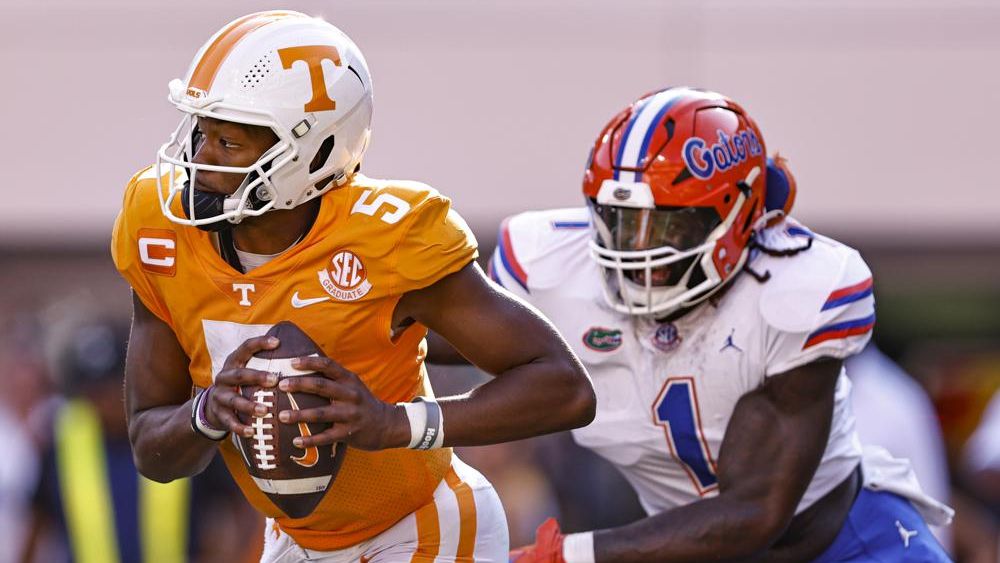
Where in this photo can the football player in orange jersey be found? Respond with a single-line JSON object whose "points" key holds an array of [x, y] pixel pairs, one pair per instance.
{"points": [[256, 213]]}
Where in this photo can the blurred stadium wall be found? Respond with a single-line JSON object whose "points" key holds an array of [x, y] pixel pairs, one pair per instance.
{"points": [[886, 110]]}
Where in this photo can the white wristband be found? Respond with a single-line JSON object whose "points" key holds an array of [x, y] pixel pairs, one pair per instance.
{"points": [[434, 432], [579, 548], [416, 413], [198, 421], [426, 424]]}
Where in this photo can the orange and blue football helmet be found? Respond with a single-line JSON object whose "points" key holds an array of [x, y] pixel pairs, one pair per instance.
{"points": [[677, 184]]}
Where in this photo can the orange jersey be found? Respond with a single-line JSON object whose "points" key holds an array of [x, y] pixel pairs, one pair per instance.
{"points": [[372, 241]]}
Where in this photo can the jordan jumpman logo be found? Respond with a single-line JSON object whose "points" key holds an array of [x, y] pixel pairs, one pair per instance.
{"points": [[729, 343], [905, 534]]}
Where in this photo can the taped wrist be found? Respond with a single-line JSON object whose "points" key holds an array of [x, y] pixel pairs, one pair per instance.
{"points": [[579, 548], [199, 423]]}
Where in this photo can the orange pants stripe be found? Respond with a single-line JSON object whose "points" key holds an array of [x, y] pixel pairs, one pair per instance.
{"points": [[464, 523], [467, 516]]}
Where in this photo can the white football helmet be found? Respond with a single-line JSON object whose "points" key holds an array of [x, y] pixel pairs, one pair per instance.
{"points": [[298, 75]]}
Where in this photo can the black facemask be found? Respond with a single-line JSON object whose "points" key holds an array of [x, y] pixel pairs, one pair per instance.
{"points": [[205, 205]]}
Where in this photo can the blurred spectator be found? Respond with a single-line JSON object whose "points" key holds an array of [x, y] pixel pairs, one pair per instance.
{"points": [[18, 476], [513, 468], [90, 502], [25, 390], [525, 490], [981, 469], [894, 412], [540, 477], [982, 455]]}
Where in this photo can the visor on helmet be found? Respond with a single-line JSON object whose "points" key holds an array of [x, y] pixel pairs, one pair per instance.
{"points": [[673, 230], [681, 228]]}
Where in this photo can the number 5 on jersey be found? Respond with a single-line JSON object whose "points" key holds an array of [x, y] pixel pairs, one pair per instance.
{"points": [[676, 410], [399, 207]]}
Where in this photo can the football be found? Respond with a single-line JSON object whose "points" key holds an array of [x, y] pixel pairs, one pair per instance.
{"points": [[294, 479]]}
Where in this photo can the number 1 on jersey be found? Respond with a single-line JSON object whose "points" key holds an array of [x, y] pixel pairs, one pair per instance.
{"points": [[676, 410]]}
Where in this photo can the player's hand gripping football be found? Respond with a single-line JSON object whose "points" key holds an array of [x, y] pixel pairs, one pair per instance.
{"points": [[360, 419], [548, 547], [224, 400]]}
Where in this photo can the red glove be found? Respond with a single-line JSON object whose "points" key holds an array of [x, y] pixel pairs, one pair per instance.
{"points": [[548, 546]]}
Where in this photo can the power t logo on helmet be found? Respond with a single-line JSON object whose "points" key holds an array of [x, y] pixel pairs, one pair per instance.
{"points": [[676, 185], [300, 77], [313, 56]]}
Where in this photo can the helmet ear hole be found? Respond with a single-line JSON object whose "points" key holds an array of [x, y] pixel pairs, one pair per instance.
{"points": [[322, 155]]}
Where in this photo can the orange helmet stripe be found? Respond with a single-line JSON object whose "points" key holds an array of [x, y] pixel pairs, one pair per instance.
{"points": [[216, 53]]}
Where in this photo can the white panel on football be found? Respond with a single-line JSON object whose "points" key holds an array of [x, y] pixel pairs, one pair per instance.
{"points": [[292, 486], [222, 337]]}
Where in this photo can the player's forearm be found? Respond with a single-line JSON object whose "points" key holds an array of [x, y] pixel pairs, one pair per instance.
{"points": [[441, 352], [544, 396], [714, 529], [165, 447]]}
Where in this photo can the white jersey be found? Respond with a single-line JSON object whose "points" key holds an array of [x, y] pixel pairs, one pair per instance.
{"points": [[666, 391]]}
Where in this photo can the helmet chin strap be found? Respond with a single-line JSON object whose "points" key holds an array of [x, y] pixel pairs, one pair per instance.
{"points": [[205, 205], [211, 205]]}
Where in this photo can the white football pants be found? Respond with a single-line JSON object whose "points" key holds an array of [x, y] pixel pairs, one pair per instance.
{"points": [[457, 527]]}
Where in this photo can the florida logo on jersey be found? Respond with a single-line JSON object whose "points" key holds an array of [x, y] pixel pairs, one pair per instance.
{"points": [[602, 339]]}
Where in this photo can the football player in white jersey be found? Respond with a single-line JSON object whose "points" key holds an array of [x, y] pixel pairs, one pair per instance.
{"points": [[714, 328]]}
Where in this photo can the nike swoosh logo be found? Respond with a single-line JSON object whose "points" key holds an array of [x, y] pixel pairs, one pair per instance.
{"points": [[299, 303]]}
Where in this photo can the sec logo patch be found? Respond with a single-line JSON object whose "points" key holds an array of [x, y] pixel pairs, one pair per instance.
{"points": [[345, 278]]}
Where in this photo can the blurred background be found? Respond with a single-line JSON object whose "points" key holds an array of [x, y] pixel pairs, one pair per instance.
{"points": [[886, 110]]}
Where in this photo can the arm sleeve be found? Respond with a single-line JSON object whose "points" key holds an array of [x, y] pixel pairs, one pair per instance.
{"points": [[125, 253], [437, 242], [820, 316]]}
